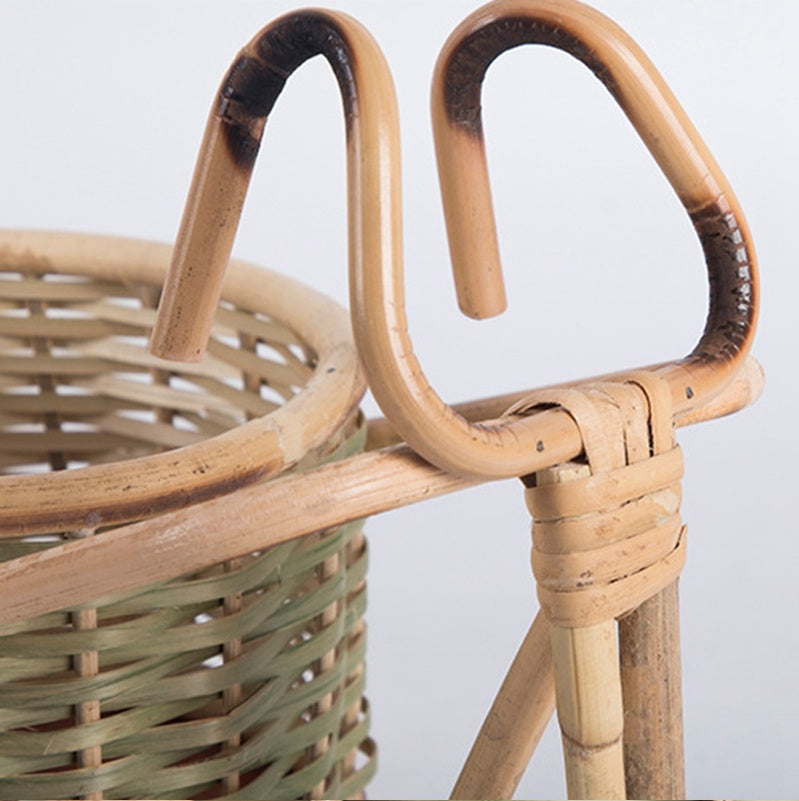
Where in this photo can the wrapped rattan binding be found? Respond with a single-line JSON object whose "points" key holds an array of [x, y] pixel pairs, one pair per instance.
{"points": [[244, 680]]}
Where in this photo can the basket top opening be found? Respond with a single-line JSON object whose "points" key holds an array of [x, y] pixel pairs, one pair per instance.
{"points": [[91, 421], [78, 386]]}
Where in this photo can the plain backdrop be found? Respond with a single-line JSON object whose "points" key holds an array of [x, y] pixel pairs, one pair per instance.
{"points": [[102, 107]]}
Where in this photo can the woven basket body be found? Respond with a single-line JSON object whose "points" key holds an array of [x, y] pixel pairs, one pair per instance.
{"points": [[243, 680]]}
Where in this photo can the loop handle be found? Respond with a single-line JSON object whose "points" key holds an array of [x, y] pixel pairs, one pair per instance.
{"points": [[230, 146], [660, 121], [519, 446], [509, 448]]}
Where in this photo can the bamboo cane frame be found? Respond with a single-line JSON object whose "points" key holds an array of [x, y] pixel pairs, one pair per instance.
{"points": [[515, 722], [623, 425], [227, 155], [588, 692], [711, 204], [376, 284], [650, 662], [431, 427], [526, 700], [559, 427], [290, 507]]}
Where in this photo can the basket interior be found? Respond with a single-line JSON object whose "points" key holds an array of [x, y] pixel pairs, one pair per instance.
{"points": [[78, 387]]}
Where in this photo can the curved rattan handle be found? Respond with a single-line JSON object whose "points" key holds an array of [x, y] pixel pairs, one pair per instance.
{"points": [[230, 145], [663, 126], [524, 445]]}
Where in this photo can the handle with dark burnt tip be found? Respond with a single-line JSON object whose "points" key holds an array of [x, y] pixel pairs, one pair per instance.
{"points": [[506, 448], [522, 445], [230, 145], [665, 129], [513, 447]]}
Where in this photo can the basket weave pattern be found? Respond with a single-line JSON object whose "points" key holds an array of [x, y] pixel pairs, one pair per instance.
{"points": [[244, 680]]}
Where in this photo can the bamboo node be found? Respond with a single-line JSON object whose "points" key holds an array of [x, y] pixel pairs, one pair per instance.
{"points": [[582, 751]]}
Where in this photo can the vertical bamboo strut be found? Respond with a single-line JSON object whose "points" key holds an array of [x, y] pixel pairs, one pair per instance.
{"points": [[233, 604], [649, 640], [149, 296], [327, 570], [590, 712], [42, 346], [232, 695], [87, 712], [252, 382], [588, 693], [355, 550], [649, 643], [87, 665]]}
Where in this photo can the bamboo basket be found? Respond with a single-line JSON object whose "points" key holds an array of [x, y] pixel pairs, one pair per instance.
{"points": [[204, 673], [244, 679]]}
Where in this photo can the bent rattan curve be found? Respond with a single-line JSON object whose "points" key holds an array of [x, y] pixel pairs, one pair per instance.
{"points": [[274, 437]]}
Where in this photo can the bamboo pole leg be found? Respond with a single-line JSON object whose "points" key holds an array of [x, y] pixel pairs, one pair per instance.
{"points": [[588, 691], [515, 722], [649, 644]]}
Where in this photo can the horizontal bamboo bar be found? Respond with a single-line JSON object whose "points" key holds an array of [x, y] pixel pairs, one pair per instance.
{"points": [[253, 518], [188, 540], [743, 391]]}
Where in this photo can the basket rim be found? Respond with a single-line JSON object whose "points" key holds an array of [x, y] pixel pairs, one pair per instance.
{"points": [[115, 492]]}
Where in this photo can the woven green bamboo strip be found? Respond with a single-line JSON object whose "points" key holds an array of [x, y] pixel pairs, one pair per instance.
{"points": [[299, 655], [161, 627], [72, 690], [166, 729]]}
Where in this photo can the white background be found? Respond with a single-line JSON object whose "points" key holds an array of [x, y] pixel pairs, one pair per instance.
{"points": [[102, 106]]}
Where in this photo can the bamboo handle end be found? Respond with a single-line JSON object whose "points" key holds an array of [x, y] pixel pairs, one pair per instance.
{"points": [[181, 331]]}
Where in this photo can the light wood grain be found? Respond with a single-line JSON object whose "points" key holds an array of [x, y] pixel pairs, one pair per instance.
{"points": [[515, 722], [588, 692], [649, 644], [590, 709], [188, 540]]}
